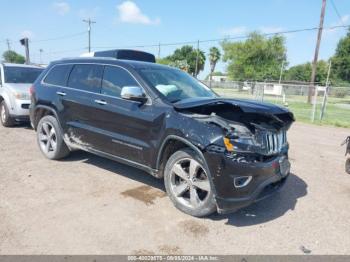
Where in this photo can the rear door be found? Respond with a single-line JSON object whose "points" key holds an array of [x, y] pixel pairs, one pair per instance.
{"points": [[79, 103]]}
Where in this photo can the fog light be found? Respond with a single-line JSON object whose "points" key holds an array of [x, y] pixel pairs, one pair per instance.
{"points": [[242, 181]]}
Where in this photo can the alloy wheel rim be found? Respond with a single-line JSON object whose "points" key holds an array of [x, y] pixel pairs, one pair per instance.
{"points": [[3, 114], [189, 183], [47, 138]]}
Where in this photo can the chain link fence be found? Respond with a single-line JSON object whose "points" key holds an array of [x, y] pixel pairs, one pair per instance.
{"points": [[334, 100]]}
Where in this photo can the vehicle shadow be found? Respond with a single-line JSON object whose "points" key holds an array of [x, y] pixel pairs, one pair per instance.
{"points": [[117, 168], [263, 211], [270, 208]]}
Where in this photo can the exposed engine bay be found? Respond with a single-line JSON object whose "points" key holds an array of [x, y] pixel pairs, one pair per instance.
{"points": [[251, 130]]}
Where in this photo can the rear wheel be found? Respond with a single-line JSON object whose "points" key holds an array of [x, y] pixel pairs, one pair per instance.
{"points": [[187, 184], [50, 139], [5, 118]]}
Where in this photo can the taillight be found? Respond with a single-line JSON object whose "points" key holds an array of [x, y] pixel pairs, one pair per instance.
{"points": [[31, 90]]}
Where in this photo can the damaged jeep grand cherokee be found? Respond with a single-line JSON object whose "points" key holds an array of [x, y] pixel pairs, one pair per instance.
{"points": [[214, 154]]}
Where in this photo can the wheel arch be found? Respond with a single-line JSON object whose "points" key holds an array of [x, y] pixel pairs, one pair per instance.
{"points": [[41, 111], [170, 145]]}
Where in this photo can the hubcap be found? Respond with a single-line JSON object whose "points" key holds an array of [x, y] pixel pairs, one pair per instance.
{"points": [[47, 138], [3, 114], [189, 183]]}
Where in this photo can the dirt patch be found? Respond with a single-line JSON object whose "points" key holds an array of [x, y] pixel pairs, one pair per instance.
{"points": [[145, 194], [170, 250], [141, 252], [194, 228]]}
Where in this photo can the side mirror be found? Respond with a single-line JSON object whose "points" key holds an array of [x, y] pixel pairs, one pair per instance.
{"points": [[133, 93]]}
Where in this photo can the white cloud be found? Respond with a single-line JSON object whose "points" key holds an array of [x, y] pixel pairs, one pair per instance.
{"points": [[129, 12], [235, 31], [61, 8], [27, 33]]}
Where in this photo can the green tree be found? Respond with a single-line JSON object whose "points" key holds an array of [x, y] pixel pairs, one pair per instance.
{"points": [[302, 72], [341, 59], [214, 57], [187, 56], [257, 58], [12, 57], [164, 61]]}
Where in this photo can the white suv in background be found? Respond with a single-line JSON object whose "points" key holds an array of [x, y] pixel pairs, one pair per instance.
{"points": [[15, 82]]}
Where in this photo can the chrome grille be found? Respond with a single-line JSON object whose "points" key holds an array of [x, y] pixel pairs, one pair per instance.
{"points": [[274, 141]]}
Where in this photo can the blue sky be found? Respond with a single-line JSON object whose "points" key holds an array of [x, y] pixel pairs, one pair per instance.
{"points": [[148, 22]]}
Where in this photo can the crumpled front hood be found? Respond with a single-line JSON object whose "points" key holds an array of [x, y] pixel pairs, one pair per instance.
{"points": [[247, 106]]}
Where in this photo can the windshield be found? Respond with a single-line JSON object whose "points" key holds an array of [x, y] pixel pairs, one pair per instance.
{"points": [[22, 75], [175, 84]]}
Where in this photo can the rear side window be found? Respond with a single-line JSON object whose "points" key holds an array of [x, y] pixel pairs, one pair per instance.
{"points": [[114, 79], [86, 77], [58, 75]]}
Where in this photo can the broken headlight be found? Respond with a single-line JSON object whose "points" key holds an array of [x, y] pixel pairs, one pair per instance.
{"points": [[239, 138]]}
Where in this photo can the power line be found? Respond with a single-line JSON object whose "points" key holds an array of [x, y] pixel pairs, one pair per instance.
{"points": [[337, 12], [226, 38]]}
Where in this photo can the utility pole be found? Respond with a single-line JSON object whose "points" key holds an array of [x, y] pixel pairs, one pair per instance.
{"points": [[41, 52], [281, 72], [89, 22], [325, 95], [25, 43], [314, 63], [197, 59], [159, 50], [8, 44]]}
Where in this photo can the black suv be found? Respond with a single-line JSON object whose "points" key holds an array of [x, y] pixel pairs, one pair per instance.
{"points": [[213, 153]]}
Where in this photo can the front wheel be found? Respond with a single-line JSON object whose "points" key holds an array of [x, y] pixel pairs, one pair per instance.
{"points": [[187, 184], [50, 139]]}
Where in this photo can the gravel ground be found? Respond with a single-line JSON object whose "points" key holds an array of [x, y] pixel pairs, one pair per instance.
{"points": [[90, 205]]}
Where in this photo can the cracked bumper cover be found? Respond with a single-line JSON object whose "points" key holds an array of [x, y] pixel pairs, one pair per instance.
{"points": [[267, 178]]}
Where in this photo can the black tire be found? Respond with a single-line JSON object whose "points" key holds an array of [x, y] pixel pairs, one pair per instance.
{"points": [[5, 117], [347, 166], [207, 205], [55, 148]]}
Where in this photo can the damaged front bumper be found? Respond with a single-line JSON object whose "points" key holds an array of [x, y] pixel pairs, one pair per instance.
{"points": [[239, 184]]}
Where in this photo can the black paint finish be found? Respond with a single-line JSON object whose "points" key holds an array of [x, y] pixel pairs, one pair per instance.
{"points": [[137, 134]]}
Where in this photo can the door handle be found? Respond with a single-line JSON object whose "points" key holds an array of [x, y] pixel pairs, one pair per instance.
{"points": [[101, 102], [61, 93]]}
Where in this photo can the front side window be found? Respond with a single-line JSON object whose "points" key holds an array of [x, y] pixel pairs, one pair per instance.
{"points": [[86, 77], [114, 79], [175, 84], [58, 75], [21, 75]]}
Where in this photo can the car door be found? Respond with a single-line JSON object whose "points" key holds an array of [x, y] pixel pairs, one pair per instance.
{"points": [[79, 104], [131, 129]]}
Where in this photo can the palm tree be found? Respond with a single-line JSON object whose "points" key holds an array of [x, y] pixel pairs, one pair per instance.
{"points": [[214, 57]]}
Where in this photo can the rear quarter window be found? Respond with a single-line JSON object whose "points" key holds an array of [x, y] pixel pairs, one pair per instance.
{"points": [[58, 75]]}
